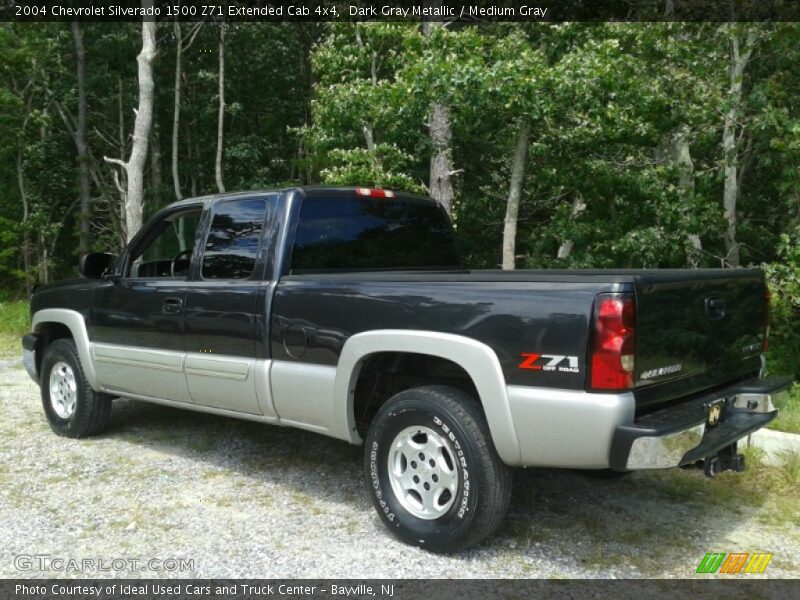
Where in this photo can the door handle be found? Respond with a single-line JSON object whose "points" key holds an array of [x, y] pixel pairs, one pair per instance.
{"points": [[172, 306]]}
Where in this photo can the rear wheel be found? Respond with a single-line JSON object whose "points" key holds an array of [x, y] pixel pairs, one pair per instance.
{"points": [[434, 475], [71, 406]]}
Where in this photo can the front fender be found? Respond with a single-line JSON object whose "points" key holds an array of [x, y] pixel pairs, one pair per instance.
{"points": [[74, 321]]}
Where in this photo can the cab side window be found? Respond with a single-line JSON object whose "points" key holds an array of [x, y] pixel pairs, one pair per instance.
{"points": [[234, 238], [167, 249]]}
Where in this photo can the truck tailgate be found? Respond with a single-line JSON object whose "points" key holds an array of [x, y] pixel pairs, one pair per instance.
{"points": [[696, 330]]}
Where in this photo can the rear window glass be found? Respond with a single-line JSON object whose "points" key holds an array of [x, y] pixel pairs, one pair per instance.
{"points": [[233, 239], [372, 233]]}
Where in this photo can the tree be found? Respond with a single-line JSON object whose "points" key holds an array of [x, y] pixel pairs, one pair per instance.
{"points": [[221, 110], [180, 48], [514, 193], [440, 184], [80, 140], [133, 196], [739, 58], [624, 164], [365, 126]]}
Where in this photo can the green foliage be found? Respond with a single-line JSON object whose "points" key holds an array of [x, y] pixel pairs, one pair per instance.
{"points": [[784, 283], [14, 323], [383, 166], [348, 103], [789, 417]]}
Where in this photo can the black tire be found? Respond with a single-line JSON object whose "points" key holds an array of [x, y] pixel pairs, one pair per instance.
{"points": [[92, 409], [483, 492]]}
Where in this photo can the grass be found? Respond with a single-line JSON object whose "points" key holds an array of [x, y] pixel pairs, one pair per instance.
{"points": [[789, 417], [14, 323], [649, 522]]}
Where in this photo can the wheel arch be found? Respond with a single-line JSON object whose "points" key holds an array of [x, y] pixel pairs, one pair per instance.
{"points": [[54, 319], [477, 359]]}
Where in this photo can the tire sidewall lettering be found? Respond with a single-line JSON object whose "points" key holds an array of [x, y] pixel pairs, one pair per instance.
{"points": [[463, 507], [386, 503], [376, 484]]}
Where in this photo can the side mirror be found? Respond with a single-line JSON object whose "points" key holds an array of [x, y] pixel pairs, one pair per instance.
{"points": [[94, 265]]}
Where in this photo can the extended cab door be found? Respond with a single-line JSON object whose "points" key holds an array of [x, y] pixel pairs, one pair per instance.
{"points": [[136, 323], [227, 362]]}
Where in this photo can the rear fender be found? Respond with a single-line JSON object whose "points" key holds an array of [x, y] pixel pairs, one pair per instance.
{"points": [[476, 358]]}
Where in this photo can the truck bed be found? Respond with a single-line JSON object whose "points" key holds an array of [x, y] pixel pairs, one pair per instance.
{"points": [[543, 311]]}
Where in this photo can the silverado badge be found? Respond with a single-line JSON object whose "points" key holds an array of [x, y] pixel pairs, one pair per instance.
{"points": [[668, 370]]}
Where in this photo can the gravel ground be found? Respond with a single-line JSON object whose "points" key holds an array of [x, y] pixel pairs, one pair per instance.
{"points": [[248, 500]]}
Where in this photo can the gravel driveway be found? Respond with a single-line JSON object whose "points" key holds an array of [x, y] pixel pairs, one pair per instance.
{"points": [[247, 500]]}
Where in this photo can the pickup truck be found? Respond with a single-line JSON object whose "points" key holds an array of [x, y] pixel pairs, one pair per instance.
{"points": [[348, 312]]}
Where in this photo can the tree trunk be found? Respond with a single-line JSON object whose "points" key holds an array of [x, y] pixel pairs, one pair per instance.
{"points": [[514, 195], [134, 203], [221, 113], [190, 155], [121, 183], [440, 187], [730, 148], [681, 157], [133, 196], [156, 180], [578, 206], [44, 262], [176, 112], [366, 127], [80, 142], [26, 238], [441, 184]]}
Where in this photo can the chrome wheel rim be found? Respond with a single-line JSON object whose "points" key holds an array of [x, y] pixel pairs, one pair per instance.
{"points": [[423, 472], [63, 390]]}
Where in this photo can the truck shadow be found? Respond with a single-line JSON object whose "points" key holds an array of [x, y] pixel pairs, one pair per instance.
{"points": [[646, 524]]}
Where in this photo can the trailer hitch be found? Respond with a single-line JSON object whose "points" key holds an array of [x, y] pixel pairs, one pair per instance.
{"points": [[726, 460]]}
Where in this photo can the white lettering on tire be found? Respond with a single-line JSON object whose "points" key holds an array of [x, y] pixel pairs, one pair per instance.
{"points": [[463, 508], [376, 485]]}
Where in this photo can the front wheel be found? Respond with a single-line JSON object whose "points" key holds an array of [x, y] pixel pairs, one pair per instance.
{"points": [[71, 406], [434, 475]]}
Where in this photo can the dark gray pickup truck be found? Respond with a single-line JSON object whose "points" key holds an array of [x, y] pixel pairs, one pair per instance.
{"points": [[347, 312]]}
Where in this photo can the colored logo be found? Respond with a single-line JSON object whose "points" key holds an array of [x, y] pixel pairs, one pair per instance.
{"points": [[554, 362], [734, 563]]}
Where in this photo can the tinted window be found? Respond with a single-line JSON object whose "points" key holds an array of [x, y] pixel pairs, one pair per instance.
{"points": [[233, 239], [167, 249], [372, 233]]}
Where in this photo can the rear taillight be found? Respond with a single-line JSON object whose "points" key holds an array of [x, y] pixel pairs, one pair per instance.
{"points": [[613, 345], [767, 316]]}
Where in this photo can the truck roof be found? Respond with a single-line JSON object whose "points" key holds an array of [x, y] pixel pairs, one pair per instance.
{"points": [[308, 190]]}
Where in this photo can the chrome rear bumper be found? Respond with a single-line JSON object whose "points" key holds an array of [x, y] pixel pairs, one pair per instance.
{"points": [[698, 428]]}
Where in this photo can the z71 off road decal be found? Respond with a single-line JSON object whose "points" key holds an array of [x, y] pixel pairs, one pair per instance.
{"points": [[549, 362]]}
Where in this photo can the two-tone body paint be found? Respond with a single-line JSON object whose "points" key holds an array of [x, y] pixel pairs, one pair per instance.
{"points": [[275, 347]]}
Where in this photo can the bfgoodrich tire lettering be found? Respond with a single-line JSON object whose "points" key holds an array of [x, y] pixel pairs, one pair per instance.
{"points": [[483, 490], [73, 409]]}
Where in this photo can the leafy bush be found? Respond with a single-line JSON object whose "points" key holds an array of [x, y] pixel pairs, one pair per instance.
{"points": [[789, 416], [784, 283]]}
